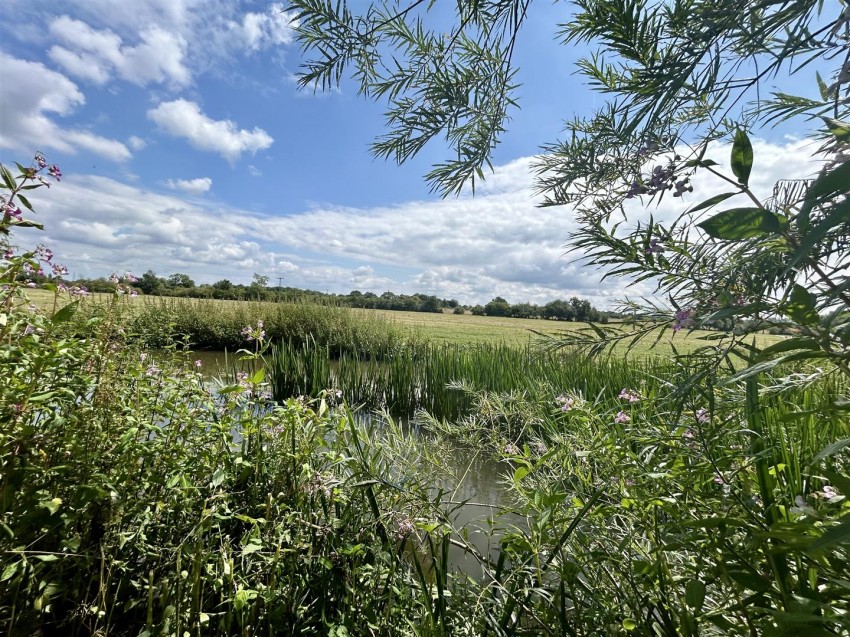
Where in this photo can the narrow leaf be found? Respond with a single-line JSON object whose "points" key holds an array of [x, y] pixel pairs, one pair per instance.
{"points": [[789, 345], [713, 201], [836, 535], [830, 450], [839, 129], [822, 88]]}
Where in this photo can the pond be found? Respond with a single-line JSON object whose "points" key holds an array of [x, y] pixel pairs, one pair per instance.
{"points": [[476, 494]]}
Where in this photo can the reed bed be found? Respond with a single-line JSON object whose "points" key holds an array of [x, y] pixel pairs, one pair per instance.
{"points": [[443, 378], [217, 325]]}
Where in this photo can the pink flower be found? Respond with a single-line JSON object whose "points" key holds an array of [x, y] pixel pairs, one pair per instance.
{"points": [[655, 247], [702, 415], [621, 417], [199, 362], [630, 395], [55, 172], [683, 319], [565, 403]]}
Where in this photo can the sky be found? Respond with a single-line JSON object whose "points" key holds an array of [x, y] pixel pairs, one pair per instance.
{"points": [[186, 146]]}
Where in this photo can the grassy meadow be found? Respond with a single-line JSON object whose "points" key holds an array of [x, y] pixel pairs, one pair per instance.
{"points": [[439, 328]]}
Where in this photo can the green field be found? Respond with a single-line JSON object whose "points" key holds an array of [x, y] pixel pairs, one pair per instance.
{"points": [[453, 328]]}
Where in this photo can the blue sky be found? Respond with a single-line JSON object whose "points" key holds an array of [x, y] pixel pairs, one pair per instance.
{"points": [[187, 147]]}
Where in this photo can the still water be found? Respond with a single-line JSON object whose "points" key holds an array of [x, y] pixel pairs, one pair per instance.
{"points": [[473, 486]]}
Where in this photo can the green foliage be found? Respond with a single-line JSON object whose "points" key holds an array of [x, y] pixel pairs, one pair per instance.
{"points": [[709, 508], [442, 379], [217, 324]]}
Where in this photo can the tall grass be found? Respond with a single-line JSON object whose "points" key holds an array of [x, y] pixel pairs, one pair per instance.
{"points": [[442, 378], [207, 324]]}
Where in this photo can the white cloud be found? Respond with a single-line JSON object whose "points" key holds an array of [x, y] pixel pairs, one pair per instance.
{"points": [[94, 55], [192, 186], [182, 118], [468, 249], [136, 143], [31, 95], [274, 27]]}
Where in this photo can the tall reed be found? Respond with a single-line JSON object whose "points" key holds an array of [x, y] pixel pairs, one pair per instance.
{"points": [[210, 324], [438, 378]]}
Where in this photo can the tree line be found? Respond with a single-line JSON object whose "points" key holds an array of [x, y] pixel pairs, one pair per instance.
{"points": [[182, 285]]}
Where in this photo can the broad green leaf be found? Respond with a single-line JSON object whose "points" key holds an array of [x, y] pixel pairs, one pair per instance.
{"points": [[520, 473], [7, 177], [65, 313], [258, 376], [10, 570], [252, 547], [800, 306], [695, 594], [713, 201], [741, 223], [742, 157], [52, 505]]}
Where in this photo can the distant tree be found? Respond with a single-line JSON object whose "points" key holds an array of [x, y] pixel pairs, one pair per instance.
{"points": [[459, 310], [224, 284], [430, 304], [149, 283], [524, 310], [581, 309], [478, 310], [180, 280], [259, 281], [497, 307], [558, 310]]}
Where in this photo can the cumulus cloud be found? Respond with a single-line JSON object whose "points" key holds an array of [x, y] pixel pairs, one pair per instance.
{"points": [[94, 55], [32, 95], [182, 118], [259, 30], [192, 186], [468, 249]]}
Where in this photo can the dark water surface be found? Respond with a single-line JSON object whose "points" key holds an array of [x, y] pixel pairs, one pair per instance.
{"points": [[473, 483]]}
